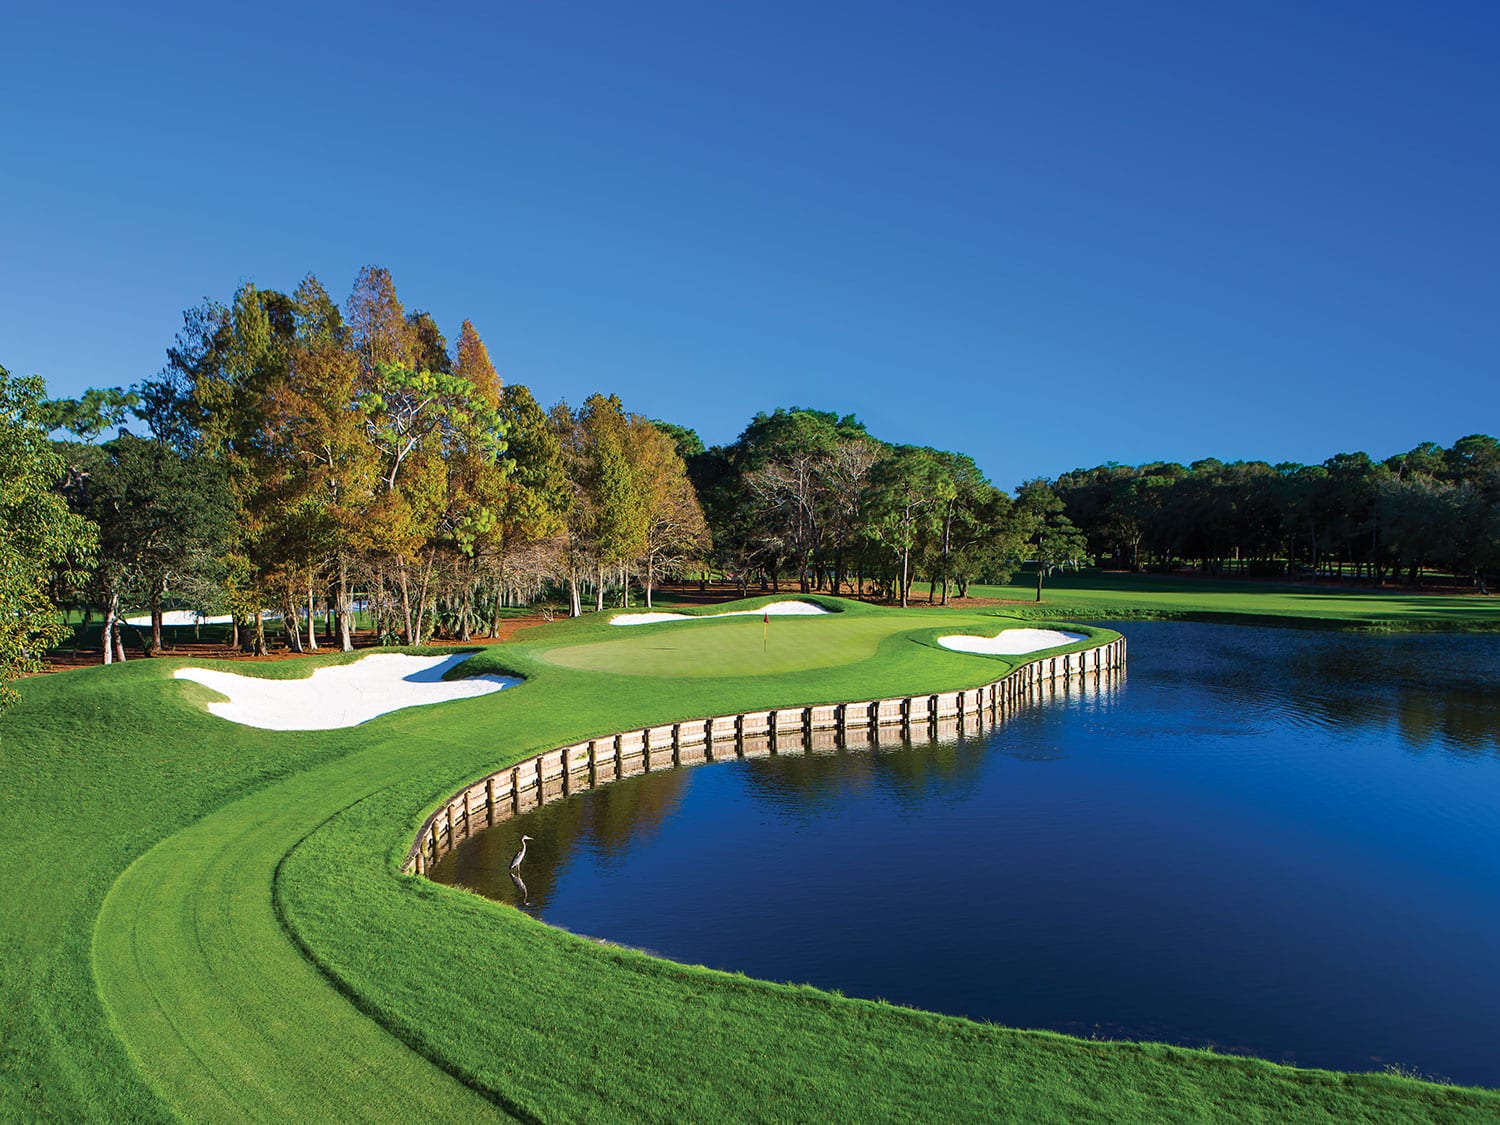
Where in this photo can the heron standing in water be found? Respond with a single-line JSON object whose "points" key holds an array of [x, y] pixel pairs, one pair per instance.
{"points": [[515, 864]]}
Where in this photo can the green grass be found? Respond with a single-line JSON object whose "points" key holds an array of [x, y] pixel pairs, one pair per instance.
{"points": [[734, 646], [1111, 595], [205, 921]]}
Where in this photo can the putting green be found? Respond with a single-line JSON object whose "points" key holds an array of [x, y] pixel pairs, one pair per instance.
{"points": [[741, 646]]}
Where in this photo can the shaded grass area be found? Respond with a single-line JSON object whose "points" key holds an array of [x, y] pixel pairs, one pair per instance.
{"points": [[1116, 596], [271, 849]]}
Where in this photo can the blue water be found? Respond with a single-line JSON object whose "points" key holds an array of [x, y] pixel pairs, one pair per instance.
{"points": [[1277, 842]]}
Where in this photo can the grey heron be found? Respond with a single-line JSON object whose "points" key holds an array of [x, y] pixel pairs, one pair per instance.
{"points": [[515, 863]]}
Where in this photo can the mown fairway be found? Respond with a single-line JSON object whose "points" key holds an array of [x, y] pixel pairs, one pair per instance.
{"points": [[1108, 594], [205, 921]]}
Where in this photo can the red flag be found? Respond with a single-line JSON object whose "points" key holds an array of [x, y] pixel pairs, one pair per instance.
{"points": [[766, 620]]}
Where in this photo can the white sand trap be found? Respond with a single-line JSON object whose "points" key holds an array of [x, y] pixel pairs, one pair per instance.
{"points": [[343, 695], [181, 617], [775, 609], [1012, 642]]}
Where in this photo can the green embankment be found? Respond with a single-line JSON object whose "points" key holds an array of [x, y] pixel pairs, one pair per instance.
{"points": [[205, 920], [1110, 595]]}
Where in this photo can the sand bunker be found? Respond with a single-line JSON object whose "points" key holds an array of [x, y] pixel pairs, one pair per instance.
{"points": [[775, 609], [1012, 642], [181, 617], [343, 695]]}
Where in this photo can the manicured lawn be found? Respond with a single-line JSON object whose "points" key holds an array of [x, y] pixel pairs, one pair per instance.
{"points": [[733, 647], [205, 920], [1115, 596]]}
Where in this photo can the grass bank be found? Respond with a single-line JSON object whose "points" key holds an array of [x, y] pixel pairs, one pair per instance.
{"points": [[206, 921], [1115, 596]]}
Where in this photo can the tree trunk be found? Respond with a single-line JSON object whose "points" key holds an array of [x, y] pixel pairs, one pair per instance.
{"points": [[157, 591], [422, 592], [345, 610], [905, 557], [575, 603], [1039, 580], [650, 577], [119, 639], [289, 622], [107, 631], [599, 589], [234, 631], [405, 608], [312, 622], [260, 633]]}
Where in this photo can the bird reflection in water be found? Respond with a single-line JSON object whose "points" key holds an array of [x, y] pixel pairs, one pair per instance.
{"points": [[515, 877], [515, 871]]}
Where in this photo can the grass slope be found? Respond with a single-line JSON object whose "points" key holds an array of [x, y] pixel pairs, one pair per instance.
{"points": [[224, 935], [1112, 595]]}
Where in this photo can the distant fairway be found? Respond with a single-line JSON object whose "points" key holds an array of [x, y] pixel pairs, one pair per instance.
{"points": [[741, 646], [1095, 595]]}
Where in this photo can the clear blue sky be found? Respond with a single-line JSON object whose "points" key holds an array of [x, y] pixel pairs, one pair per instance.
{"points": [[1048, 235]]}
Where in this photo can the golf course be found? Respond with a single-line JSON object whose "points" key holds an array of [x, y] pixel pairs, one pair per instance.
{"points": [[206, 920]]}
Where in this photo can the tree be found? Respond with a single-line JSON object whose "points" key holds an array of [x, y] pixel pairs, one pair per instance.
{"points": [[685, 440], [97, 410], [321, 470], [907, 491], [1053, 540], [473, 363], [675, 528], [40, 537], [162, 516], [378, 329], [532, 518], [422, 423], [615, 499]]}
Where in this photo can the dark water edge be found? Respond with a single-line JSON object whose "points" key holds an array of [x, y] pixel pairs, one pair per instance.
{"points": [[1271, 841]]}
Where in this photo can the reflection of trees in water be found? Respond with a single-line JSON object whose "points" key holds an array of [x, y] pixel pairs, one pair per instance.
{"points": [[610, 821], [816, 783], [1437, 692]]}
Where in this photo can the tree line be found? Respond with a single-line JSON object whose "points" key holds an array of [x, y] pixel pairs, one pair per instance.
{"points": [[1351, 516], [308, 460]]}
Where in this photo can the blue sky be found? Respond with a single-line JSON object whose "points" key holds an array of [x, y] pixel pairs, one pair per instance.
{"points": [[1045, 235]]}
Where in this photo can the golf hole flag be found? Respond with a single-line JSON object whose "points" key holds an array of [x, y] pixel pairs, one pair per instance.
{"points": [[765, 628]]}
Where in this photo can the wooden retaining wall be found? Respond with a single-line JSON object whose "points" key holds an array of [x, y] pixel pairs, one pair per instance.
{"points": [[825, 728]]}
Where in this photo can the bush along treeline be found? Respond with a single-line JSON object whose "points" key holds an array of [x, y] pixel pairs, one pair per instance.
{"points": [[305, 460], [1351, 516]]}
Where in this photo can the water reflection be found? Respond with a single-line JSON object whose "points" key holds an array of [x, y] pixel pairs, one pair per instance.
{"points": [[1276, 841], [1436, 691], [814, 774]]}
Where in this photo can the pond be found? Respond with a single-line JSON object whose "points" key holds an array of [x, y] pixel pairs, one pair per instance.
{"points": [[1272, 841]]}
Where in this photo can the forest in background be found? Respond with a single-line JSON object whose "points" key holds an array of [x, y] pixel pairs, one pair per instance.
{"points": [[303, 458]]}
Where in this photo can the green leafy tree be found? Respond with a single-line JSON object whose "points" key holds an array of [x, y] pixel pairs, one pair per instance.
{"points": [[908, 498], [1053, 540], [675, 529], [162, 518], [40, 535]]}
